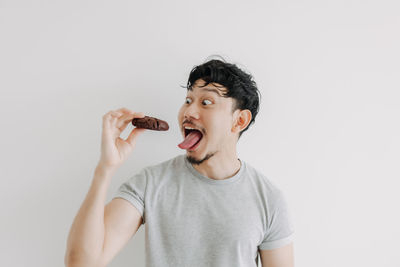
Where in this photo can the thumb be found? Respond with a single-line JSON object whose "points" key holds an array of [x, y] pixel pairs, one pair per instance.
{"points": [[132, 138]]}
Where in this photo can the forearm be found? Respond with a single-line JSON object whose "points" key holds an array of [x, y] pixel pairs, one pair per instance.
{"points": [[86, 236]]}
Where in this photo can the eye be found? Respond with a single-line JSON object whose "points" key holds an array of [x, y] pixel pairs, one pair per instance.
{"points": [[186, 100], [207, 100]]}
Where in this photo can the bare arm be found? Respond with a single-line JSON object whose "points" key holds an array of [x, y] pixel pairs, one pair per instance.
{"points": [[280, 257], [86, 236], [122, 220], [98, 232]]}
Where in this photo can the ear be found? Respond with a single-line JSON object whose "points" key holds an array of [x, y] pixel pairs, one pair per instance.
{"points": [[242, 118]]}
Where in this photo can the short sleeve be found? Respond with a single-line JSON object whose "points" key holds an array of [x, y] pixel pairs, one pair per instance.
{"points": [[280, 230], [134, 190]]}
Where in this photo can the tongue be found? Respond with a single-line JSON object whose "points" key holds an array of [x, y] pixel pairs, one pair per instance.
{"points": [[190, 140]]}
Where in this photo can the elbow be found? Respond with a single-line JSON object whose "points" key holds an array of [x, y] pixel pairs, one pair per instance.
{"points": [[71, 259]]}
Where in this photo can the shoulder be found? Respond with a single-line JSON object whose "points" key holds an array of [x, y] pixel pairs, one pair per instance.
{"points": [[165, 167], [266, 191], [274, 203], [262, 182]]}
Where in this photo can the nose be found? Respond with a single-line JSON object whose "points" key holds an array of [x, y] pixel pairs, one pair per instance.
{"points": [[191, 111]]}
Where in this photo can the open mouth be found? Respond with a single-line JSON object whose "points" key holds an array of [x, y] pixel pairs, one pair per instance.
{"points": [[187, 131], [192, 139]]}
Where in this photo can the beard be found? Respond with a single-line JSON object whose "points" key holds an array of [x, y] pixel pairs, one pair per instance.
{"points": [[195, 161]]}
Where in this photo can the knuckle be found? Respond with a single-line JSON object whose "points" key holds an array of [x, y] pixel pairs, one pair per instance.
{"points": [[108, 114]]}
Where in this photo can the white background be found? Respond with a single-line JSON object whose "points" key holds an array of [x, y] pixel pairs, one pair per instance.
{"points": [[327, 133]]}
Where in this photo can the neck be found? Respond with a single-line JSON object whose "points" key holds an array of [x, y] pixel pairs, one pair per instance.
{"points": [[219, 167]]}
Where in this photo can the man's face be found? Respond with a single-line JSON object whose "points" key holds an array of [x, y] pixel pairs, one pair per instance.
{"points": [[207, 110]]}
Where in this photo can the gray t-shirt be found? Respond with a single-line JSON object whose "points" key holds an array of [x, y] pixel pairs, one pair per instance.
{"points": [[192, 220]]}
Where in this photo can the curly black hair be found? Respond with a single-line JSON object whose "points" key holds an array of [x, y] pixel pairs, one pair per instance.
{"points": [[239, 84]]}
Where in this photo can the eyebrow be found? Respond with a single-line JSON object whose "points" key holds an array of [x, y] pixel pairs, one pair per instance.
{"points": [[213, 91]]}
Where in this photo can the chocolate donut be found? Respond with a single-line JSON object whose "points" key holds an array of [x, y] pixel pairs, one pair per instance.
{"points": [[150, 123]]}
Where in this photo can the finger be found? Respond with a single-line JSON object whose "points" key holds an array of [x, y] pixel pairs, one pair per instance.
{"points": [[132, 138], [124, 114], [124, 120], [129, 116], [109, 119], [125, 110], [116, 114], [115, 117]]}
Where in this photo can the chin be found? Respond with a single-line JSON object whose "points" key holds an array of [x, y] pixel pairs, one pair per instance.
{"points": [[198, 161]]}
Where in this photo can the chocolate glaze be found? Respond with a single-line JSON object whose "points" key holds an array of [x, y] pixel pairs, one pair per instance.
{"points": [[150, 123]]}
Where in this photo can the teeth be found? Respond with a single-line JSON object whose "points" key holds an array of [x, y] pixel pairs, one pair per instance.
{"points": [[190, 128]]}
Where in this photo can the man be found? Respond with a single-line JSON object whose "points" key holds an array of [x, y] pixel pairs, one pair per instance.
{"points": [[206, 207]]}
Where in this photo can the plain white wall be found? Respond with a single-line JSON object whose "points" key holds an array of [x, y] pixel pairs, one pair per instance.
{"points": [[327, 133]]}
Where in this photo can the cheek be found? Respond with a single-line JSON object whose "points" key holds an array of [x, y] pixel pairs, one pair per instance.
{"points": [[218, 127], [180, 114], [225, 126]]}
